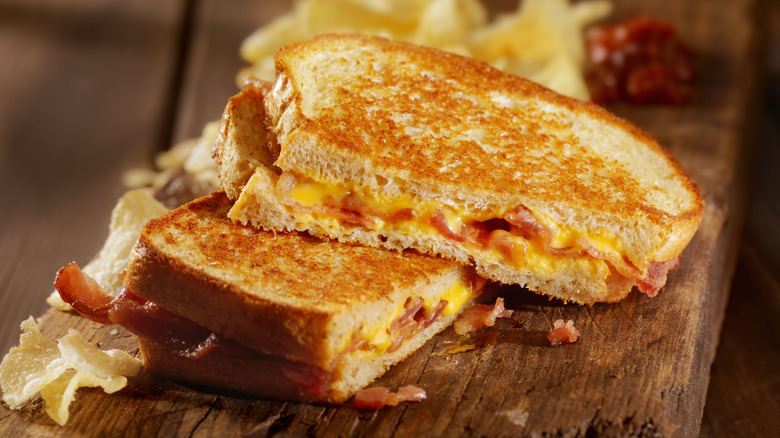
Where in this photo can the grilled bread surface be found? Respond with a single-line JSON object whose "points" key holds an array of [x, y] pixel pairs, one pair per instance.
{"points": [[241, 131], [290, 295], [439, 125]]}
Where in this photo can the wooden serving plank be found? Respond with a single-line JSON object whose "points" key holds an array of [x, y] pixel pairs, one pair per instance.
{"points": [[744, 395], [641, 366]]}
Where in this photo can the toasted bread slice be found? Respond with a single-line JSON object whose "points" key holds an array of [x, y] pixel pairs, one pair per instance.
{"points": [[330, 306], [242, 142], [429, 150]]}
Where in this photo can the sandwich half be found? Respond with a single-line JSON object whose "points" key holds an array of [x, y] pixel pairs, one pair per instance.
{"points": [[393, 145], [279, 315]]}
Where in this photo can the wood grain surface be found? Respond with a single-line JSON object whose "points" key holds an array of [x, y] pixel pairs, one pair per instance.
{"points": [[98, 86]]}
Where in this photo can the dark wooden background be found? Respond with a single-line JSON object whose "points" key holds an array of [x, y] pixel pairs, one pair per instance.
{"points": [[91, 88]]}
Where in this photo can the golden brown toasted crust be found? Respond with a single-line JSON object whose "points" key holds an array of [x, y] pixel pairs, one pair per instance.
{"points": [[287, 294], [235, 155], [441, 126], [270, 376]]}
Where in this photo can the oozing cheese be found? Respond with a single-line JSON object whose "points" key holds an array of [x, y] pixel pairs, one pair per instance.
{"points": [[457, 295], [565, 237], [379, 337], [311, 194], [308, 192]]}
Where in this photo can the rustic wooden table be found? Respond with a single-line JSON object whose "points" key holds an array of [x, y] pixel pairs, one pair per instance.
{"points": [[92, 88]]}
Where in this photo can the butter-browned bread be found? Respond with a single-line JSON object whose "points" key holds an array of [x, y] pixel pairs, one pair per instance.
{"points": [[328, 317], [389, 144], [241, 131]]}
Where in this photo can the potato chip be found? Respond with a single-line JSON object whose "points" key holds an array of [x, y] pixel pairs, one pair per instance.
{"points": [[446, 23], [60, 393], [30, 366], [262, 42], [315, 17], [587, 13], [541, 41], [58, 370], [128, 217], [199, 162], [83, 356], [563, 75]]}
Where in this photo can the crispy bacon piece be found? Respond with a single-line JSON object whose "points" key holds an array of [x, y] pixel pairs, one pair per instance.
{"points": [[83, 293], [408, 393], [408, 323], [379, 396], [507, 243], [139, 316], [352, 203], [332, 208], [150, 321], [371, 398], [496, 233], [526, 223], [310, 378], [439, 221], [481, 315], [425, 321], [656, 277], [563, 333]]}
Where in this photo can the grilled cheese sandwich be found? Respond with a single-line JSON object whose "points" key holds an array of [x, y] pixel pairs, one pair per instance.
{"points": [[321, 319], [384, 143]]}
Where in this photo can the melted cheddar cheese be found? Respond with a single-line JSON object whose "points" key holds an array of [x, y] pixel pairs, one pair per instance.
{"points": [[533, 254], [380, 336]]}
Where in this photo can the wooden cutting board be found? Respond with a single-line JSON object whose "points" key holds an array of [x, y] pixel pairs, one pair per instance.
{"points": [[641, 367]]}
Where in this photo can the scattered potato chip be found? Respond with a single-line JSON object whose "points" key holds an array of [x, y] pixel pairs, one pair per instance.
{"points": [[83, 356], [193, 155], [128, 217], [60, 393], [58, 370], [541, 41], [26, 369], [447, 23], [199, 161]]}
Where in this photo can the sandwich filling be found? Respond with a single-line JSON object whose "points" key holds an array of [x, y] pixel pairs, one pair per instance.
{"points": [[518, 235]]}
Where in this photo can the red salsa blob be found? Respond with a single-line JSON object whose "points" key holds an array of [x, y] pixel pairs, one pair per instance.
{"points": [[640, 60]]}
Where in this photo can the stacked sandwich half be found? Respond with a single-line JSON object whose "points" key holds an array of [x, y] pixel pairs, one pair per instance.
{"points": [[368, 194]]}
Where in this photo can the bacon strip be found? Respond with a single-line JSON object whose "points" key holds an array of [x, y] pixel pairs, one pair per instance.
{"points": [[439, 221], [527, 224], [481, 315], [416, 317], [83, 293], [656, 277], [563, 333], [409, 323], [379, 396], [310, 378]]}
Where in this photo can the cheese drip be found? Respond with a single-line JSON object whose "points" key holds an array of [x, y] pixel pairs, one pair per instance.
{"points": [[310, 193]]}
